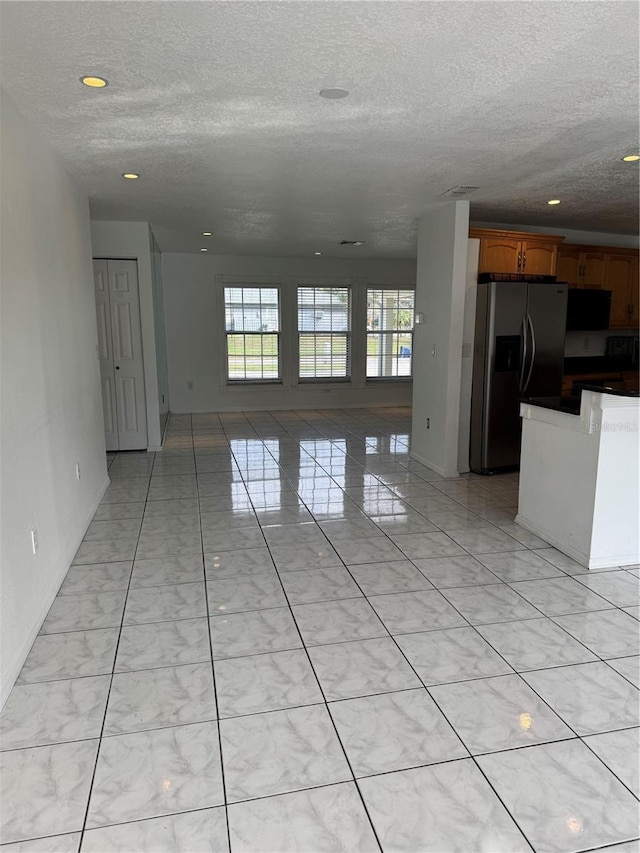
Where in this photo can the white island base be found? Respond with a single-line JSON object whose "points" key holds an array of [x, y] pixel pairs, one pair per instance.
{"points": [[580, 478]]}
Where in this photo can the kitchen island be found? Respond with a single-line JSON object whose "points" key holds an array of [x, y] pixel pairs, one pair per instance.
{"points": [[580, 475]]}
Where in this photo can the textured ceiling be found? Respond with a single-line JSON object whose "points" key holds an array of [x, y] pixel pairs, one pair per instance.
{"points": [[216, 105]]}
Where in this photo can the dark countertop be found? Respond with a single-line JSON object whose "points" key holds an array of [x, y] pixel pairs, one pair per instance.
{"points": [[571, 405], [597, 364]]}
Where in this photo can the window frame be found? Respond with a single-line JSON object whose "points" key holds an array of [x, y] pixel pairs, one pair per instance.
{"points": [[395, 288], [249, 283], [327, 284]]}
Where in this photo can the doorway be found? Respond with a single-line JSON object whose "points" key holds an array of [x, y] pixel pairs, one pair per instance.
{"points": [[120, 353]]}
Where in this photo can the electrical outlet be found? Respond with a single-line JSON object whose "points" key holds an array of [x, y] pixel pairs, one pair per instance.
{"points": [[189, 385], [34, 540], [585, 342], [428, 423], [433, 351], [78, 474]]}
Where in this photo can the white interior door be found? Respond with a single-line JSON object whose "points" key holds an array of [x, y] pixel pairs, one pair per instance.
{"points": [[105, 353], [120, 341]]}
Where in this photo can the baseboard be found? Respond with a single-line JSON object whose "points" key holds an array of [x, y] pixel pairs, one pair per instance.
{"points": [[10, 676], [444, 472], [289, 407]]}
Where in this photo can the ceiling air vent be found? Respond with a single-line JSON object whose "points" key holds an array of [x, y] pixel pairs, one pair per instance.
{"points": [[352, 242], [458, 192]]}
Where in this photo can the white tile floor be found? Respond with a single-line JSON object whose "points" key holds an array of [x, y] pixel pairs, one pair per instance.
{"points": [[283, 634]]}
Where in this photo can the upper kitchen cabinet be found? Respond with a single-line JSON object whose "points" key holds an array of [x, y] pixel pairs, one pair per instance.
{"points": [[621, 278], [581, 266], [516, 252]]}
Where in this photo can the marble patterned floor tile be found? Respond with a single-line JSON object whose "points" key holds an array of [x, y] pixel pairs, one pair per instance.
{"points": [[84, 611], [483, 605], [408, 612], [306, 533], [418, 546], [54, 712], [456, 520], [562, 561], [73, 655], [633, 611], [170, 525], [394, 731], [170, 508], [167, 570], [204, 831], [265, 682], [349, 670], [157, 698], [320, 585], [172, 488], [627, 667], [52, 844], [376, 549], [291, 558], [522, 535], [337, 621], [444, 572], [98, 577], [560, 596], [151, 546], [232, 595], [101, 531], [426, 808], [294, 514], [253, 632], [280, 751], [160, 644], [535, 644], [231, 564], [485, 540], [232, 540], [110, 551], [619, 751], [455, 654], [126, 491], [226, 520], [331, 819], [590, 697], [354, 528], [519, 566], [562, 797], [116, 511], [154, 773], [404, 523], [45, 789], [506, 714], [395, 576], [620, 588], [165, 603], [608, 633]]}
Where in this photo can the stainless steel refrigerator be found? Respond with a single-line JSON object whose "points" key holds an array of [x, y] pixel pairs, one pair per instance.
{"points": [[518, 352]]}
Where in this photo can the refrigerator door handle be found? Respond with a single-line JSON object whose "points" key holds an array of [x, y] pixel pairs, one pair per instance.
{"points": [[533, 350], [524, 351]]}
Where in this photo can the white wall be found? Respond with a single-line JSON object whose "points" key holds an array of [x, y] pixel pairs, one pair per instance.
{"points": [[585, 238], [131, 240], [160, 336], [51, 416], [466, 370], [440, 294], [195, 331]]}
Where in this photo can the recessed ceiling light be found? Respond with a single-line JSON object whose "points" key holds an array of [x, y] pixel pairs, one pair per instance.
{"points": [[204, 250], [130, 176], [317, 253], [631, 158], [333, 94], [94, 82], [554, 201], [207, 234]]}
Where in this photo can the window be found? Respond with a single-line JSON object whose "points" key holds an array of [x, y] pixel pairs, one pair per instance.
{"points": [[389, 332], [252, 323], [324, 332]]}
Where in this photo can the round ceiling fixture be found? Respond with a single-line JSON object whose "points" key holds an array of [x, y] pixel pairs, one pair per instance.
{"points": [[131, 176], [94, 82], [317, 253], [207, 233], [333, 94], [554, 201], [631, 158], [204, 250]]}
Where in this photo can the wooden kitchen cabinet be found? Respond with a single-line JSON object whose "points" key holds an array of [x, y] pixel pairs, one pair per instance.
{"points": [[581, 266], [621, 278], [516, 252]]}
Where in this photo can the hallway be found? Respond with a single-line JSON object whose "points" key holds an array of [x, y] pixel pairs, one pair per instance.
{"points": [[283, 634]]}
